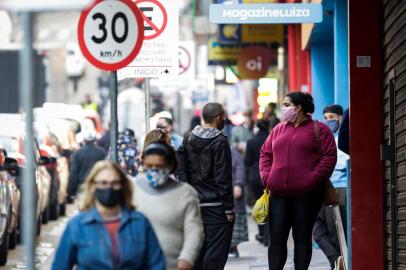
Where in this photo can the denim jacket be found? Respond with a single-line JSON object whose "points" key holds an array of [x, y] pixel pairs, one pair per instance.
{"points": [[87, 244]]}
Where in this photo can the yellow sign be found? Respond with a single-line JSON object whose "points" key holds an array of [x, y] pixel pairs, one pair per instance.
{"points": [[258, 33], [222, 54]]}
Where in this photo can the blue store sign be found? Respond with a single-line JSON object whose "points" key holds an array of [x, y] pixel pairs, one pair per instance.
{"points": [[265, 13]]}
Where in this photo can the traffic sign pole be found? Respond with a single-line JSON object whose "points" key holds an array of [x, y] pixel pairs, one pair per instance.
{"points": [[114, 118], [26, 96], [147, 89]]}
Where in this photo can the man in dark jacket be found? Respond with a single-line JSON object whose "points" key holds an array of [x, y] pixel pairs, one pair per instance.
{"points": [[251, 160], [210, 173], [83, 161]]}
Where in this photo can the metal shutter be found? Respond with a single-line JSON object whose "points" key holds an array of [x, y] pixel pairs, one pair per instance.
{"points": [[394, 56]]}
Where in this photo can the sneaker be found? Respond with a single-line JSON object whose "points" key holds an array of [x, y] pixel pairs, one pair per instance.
{"points": [[259, 238], [339, 265], [233, 253]]}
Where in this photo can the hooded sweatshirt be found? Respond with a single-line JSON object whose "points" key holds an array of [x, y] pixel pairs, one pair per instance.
{"points": [[210, 167], [290, 162]]}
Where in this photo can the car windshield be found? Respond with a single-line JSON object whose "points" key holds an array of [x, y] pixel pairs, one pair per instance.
{"points": [[9, 143]]}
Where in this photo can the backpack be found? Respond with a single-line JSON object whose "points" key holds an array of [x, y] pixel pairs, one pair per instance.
{"points": [[182, 173]]}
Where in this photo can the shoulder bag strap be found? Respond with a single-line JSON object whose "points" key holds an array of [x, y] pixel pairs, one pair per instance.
{"points": [[317, 135]]}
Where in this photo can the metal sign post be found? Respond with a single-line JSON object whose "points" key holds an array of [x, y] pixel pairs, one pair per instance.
{"points": [[147, 104], [26, 97], [114, 119]]}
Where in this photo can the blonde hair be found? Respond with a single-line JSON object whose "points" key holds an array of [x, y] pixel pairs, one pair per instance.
{"points": [[88, 195]]}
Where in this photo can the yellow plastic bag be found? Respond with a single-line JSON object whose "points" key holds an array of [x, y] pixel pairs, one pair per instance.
{"points": [[260, 212]]}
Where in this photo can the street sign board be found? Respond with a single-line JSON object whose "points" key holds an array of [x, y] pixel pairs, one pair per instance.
{"points": [[265, 13], [159, 56], [187, 60], [111, 33]]}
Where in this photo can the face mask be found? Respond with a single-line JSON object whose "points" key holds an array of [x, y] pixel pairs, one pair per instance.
{"points": [[334, 125], [108, 197], [288, 114], [157, 177]]}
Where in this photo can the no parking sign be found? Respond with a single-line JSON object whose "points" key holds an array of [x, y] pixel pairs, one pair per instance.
{"points": [[111, 33], [159, 56]]}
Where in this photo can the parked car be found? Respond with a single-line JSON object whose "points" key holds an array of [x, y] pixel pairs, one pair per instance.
{"points": [[12, 138], [5, 219], [10, 178]]}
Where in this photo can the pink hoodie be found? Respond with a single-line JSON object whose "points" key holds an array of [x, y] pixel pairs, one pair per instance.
{"points": [[289, 163]]}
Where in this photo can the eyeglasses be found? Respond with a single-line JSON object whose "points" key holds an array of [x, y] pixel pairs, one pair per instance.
{"points": [[115, 184]]}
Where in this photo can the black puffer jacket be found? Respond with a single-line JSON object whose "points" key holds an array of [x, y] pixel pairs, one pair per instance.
{"points": [[210, 167]]}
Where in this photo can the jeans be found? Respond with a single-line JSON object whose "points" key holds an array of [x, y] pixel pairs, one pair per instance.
{"points": [[299, 214]]}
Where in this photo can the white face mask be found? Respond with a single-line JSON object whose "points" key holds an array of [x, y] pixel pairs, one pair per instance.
{"points": [[156, 177]]}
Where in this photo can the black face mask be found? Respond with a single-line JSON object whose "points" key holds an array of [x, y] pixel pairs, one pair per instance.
{"points": [[108, 197]]}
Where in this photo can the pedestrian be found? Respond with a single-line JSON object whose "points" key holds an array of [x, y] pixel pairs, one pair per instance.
{"points": [[240, 231], [251, 160], [104, 141], [172, 207], [296, 160], [344, 133], [83, 161], [157, 135], [325, 232], [165, 122], [270, 115], [108, 233], [127, 152], [242, 133], [209, 169]]}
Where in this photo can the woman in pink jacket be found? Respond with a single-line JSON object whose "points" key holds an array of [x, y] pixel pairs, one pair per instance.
{"points": [[294, 166]]}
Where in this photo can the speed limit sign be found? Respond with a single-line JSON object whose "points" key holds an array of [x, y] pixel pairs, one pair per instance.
{"points": [[111, 33]]}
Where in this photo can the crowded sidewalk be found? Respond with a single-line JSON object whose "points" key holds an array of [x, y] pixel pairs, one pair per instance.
{"points": [[254, 256]]}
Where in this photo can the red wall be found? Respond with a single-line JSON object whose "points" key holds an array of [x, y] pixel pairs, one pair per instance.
{"points": [[366, 136], [298, 60]]}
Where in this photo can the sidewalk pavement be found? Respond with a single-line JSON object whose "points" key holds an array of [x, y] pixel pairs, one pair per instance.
{"points": [[254, 255]]}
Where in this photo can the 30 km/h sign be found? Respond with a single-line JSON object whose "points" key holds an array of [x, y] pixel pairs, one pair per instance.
{"points": [[111, 33]]}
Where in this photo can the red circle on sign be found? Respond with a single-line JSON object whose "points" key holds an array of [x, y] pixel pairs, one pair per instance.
{"points": [[150, 23], [130, 57], [184, 68]]}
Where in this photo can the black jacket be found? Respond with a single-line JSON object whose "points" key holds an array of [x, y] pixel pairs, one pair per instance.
{"points": [[210, 167], [82, 162], [251, 160]]}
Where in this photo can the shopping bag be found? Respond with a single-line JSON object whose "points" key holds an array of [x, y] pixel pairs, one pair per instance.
{"points": [[260, 212]]}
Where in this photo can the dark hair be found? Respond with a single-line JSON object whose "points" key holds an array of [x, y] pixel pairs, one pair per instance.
{"points": [[167, 120], [305, 100], [129, 132], [335, 108], [211, 111], [263, 124], [164, 150], [273, 105]]}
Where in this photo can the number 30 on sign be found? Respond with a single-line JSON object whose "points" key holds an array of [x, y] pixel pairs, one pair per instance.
{"points": [[111, 33]]}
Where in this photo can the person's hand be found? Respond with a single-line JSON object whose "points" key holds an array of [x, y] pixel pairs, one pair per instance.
{"points": [[184, 265], [230, 217], [237, 192]]}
